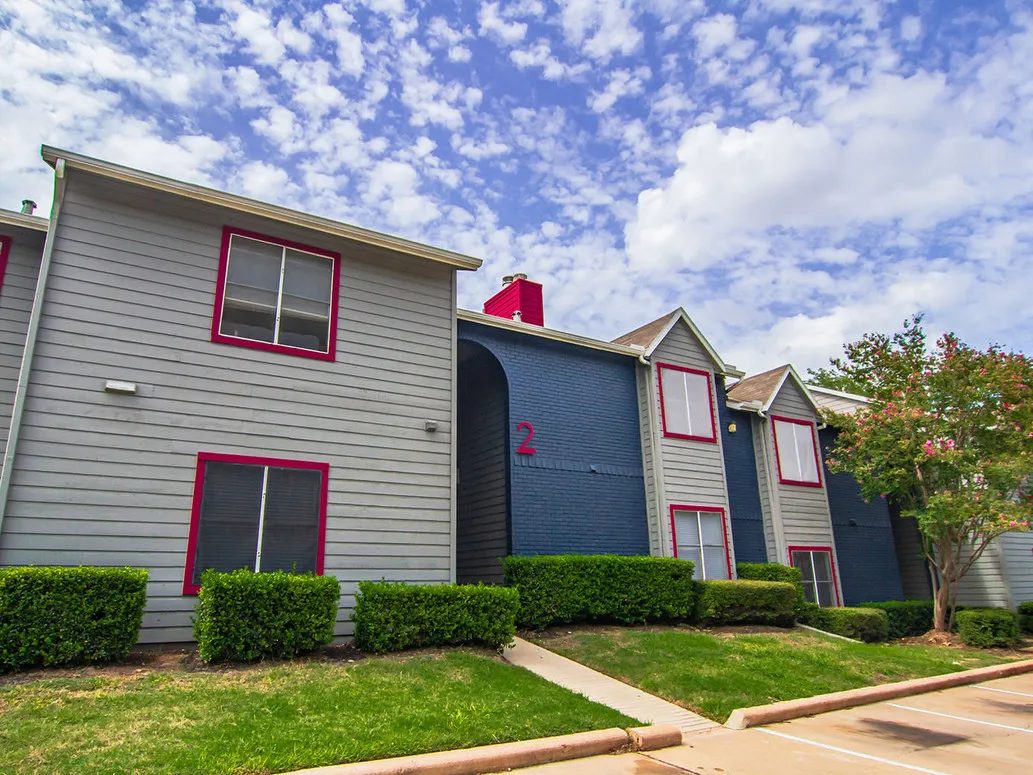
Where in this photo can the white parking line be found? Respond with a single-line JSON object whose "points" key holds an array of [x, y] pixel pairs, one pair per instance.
{"points": [[848, 752], [1002, 691], [960, 718]]}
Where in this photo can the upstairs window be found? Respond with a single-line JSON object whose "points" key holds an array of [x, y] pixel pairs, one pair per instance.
{"points": [[262, 514], [686, 403], [699, 535], [819, 582], [796, 450], [276, 295]]}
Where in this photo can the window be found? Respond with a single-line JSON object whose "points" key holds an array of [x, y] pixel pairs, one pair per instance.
{"points": [[276, 295], [686, 403], [796, 451], [699, 535], [258, 513], [819, 582]]}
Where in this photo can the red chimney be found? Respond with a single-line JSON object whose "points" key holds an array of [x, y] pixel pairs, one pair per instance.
{"points": [[520, 299]]}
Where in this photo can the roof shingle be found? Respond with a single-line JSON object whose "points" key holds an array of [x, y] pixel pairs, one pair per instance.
{"points": [[645, 335], [759, 387]]}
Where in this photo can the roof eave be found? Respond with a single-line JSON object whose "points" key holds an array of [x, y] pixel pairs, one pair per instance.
{"points": [[547, 333], [262, 209], [34, 222], [724, 369]]}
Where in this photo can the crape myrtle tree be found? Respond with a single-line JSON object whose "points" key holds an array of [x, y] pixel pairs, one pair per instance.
{"points": [[947, 434]]}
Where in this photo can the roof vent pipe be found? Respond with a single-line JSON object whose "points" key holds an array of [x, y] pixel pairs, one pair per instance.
{"points": [[28, 207], [517, 316], [520, 276], [507, 280]]}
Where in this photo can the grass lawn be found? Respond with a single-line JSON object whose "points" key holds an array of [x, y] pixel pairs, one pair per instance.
{"points": [[713, 674], [283, 717]]}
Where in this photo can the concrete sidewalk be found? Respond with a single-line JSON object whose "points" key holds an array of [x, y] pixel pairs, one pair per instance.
{"points": [[602, 689]]}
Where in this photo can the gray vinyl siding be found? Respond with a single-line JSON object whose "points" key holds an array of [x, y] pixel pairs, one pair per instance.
{"points": [[760, 430], [19, 287], [643, 376], [984, 585], [805, 517], [1017, 553], [837, 404], [693, 471], [107, 479]]}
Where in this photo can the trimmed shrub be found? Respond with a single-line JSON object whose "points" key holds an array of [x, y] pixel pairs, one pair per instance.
{"points": [[907, 618], [772, 571], [247, 616], [868, 624], [987, 627], [747, 602], [60, 616], [1026, 617], [393, 617], [562, 589]]}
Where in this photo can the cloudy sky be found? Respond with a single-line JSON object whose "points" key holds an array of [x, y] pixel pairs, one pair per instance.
{"points": [[793, 172]]}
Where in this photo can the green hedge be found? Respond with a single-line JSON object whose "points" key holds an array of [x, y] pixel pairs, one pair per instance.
{"points": [[57, 616], [247, 616], [772, 571], [987, 627], [868, 624], [562, 589], [747, 602], [907, 618], [393, 617], [1026, 617]]}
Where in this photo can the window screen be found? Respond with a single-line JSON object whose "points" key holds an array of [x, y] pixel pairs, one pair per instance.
{"points": [[797, 463], [263, 518], [816, 575], [686, 403], [277, 295], [700, 537]]}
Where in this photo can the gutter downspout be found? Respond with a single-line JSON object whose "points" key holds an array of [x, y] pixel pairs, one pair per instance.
{"points": [[22, 387], [658, 463]]}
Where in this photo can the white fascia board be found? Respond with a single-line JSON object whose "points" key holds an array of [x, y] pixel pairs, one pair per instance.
{"points": [[261, 209], [723, 368], [838, 393], [34, 222], [547, 333]]}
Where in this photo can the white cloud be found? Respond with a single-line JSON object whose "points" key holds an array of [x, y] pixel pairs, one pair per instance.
{"points": [[459, 54], [394, 188], [911, 28], [492, 24], [601, 28], [714, 33], [348, 41], [623, 83], [540, 55]]}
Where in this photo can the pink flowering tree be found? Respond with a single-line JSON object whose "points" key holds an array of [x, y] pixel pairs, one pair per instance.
{"points": [[947, 435]]}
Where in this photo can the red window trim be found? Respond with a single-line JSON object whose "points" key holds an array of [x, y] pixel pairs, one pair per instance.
{"points": [[713, 510], [832, 564], [220, 293], [190, 588], [5, 251], [712, 439], [778, 458]]}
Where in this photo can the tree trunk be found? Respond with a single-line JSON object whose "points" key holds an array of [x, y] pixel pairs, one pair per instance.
{"points": [[941, 607]]}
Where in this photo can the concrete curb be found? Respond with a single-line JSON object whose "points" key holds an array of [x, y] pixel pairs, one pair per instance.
{"points": [[508, 756], [809, 706]]}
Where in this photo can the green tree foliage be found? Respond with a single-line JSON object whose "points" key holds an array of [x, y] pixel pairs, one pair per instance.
{"points": [[948, 434]]}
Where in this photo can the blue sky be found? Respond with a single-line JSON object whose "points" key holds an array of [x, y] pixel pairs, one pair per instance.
{"points": [[793, 172]]}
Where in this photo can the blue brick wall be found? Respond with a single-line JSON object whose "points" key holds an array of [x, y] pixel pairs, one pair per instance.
{"points": [[583, 491], [743, 491], [864, 538]]}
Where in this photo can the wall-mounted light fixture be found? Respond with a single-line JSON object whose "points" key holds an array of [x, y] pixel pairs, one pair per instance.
{"points": [[731, 427], [430, 426]]}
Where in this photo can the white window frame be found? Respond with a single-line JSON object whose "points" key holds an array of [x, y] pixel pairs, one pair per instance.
{"points": [[681, 394], [811, 551]]}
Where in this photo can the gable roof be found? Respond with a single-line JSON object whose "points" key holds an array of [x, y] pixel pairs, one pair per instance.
{"points": [[34, 222], [837, 400], [254, 207], [762, 389], [652, 334], [547, 333]]}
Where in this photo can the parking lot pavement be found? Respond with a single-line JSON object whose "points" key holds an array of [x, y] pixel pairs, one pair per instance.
{"points": [[983, 729]]}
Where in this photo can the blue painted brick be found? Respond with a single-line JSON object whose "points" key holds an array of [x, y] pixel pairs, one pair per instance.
{"points": [[583, 404], [743, 491]]}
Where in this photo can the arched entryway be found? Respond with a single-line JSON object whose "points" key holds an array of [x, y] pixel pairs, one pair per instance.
{"points": [[482, 497]]}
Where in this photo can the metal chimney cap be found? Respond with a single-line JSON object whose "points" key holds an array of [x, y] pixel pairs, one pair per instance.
{"points": [[520, 276], [28, 207], [507, 280]]}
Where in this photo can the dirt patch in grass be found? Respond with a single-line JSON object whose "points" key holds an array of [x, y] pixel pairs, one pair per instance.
{"points": [[951, 640]]}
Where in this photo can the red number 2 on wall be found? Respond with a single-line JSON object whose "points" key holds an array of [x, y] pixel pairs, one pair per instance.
{"points": [[525, 448]]}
